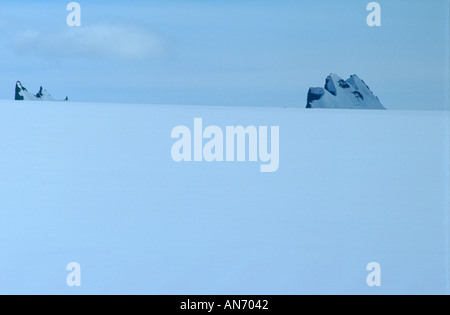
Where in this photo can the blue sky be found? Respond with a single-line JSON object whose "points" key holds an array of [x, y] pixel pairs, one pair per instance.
{"points": [[242, 53]]}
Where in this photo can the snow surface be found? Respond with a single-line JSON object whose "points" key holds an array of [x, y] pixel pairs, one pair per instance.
{"points": [[95, 184]]}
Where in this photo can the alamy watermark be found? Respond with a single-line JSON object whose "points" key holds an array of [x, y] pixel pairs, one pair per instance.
{"points": [[374, 277], [374, 18], [74, 17], [73, 279], [190, 145]]}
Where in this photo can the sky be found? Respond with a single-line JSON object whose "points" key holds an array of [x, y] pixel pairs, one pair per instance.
{"points": [[225, 53]]}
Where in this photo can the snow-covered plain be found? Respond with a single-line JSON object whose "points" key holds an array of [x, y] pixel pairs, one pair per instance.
{"points": [[96, 184]]}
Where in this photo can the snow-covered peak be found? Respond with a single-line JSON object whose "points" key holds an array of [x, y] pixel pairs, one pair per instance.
{"points": [[334, 82], [337, 93], [20, 86], [44, 95], [22, 94], [331, 84]]}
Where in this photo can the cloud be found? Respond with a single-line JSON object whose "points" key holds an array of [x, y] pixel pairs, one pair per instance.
{"points": [[99, 41]]}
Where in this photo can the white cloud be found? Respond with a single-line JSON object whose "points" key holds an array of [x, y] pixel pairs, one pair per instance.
{"points": [[102, 41]]}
